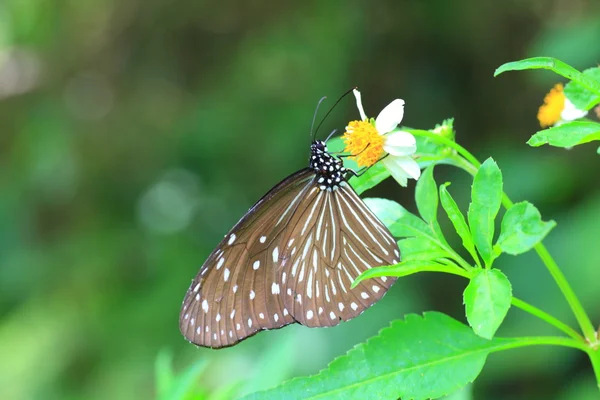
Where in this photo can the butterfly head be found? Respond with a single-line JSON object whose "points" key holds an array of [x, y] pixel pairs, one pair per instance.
{"points": [[329, 169]]}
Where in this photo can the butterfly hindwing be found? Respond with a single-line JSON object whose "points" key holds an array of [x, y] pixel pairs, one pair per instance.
{"points": [[328, 255]]}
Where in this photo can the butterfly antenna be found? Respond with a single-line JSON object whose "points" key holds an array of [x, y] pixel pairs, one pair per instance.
{"points": [[332, 107], [313, 133], [333, 132]]}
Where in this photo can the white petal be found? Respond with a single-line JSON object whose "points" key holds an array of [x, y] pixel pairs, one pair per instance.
{"points": [[400, 144], [398, 173], [402, 168], [389, 118], [570, 112], [359, 105]]}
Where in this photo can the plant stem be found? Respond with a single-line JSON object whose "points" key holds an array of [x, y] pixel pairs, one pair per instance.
{"points": [[582, 318], [594, 355], [546, 317], [580, 314], [513, 343]]}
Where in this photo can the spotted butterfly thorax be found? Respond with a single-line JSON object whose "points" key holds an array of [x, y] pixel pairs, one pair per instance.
{"points": [[291, 258]]}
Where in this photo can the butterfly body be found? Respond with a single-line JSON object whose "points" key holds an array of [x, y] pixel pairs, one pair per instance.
{"points": [[291, 258]]}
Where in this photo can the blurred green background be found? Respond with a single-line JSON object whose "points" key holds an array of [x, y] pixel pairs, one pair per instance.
{"points": [[134, 134]]}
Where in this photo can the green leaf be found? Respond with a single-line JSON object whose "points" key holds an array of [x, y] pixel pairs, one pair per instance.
{"points": [[458, 220], [426, 196], [581, 97], [418, 358], [466, 393], [370, 178], [399, 221], [420, 248], [567, 135], [486, 195], [522, 228], [487, 299], [407, 268], [551, 64]]}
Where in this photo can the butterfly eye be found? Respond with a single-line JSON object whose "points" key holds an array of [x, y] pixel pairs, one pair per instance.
{"points": [[291, 259]]}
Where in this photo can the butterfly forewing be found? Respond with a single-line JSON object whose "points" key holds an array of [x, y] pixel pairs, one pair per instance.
{"points": [[226, 300], [291, 258]]}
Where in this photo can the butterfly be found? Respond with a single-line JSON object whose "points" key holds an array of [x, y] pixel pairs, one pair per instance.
{"points": [[291, 259]]}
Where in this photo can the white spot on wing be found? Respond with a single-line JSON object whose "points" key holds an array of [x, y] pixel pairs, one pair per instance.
{"points": [[332, 315], [226, 274], [256, 265], [309, 314], [220, 263], [205, 305], [263, 239], [275, 288], [276, 254], [252, 295], [354, 306], [231, 239]]}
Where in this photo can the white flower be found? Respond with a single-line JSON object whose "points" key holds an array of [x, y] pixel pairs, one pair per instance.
{"points": [[368, 141], [570, 112]]}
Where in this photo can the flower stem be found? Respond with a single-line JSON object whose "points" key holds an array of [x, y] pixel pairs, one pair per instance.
{"points": [[580, 314]]}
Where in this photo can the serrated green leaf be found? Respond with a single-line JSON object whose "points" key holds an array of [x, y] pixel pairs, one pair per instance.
{"points": [[426, 196], [487, 299], [567, 135], [581, 97], [420, 248], [551, 64], [411, 267], [370, 178], [522, 228], [486, 195], [418, 358], [458, 220], [398, 220]]}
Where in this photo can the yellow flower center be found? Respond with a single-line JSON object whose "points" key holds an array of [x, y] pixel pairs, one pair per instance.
{"points": [[363, 142], [554, 103]]}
